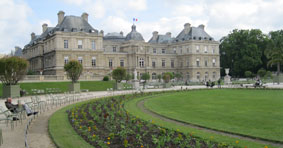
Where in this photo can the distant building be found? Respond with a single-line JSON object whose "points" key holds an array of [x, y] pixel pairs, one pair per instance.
{"points": [[193, 53], [18, 51]]}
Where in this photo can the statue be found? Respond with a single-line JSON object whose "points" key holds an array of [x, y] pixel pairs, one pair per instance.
{"points": [[135, 75], [136, 83], [227, 78]]}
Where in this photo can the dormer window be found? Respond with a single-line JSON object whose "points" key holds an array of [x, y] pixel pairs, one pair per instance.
{"points": [[74, 29], [199, 38]]}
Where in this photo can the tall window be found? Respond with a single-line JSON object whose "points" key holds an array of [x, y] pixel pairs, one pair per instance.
{"points": [[114, 48], [110, 63], [141, 62], [198, 75], [80, 44], [163, 63], [205, 49], [172, 63], [163, 51], [197, 48], [93, 61], [153, 64], [174, 50], [80, 59], [214, 75], [205, 63], [198, 63], [188, 76], [66, 60], [181, 64], [122, 63], [213, 50], [213, 62], [154, 50], [188, 63], [153, 76], [93, 44], [206, 75], [65, 44]]}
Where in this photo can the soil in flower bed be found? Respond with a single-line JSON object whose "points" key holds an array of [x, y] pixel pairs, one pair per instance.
{"points": [[105, 123]]}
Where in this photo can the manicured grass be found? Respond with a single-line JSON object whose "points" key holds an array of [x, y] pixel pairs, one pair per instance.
{"points": [[131, 107], [64, 86], [61, 131], [257, 113]]}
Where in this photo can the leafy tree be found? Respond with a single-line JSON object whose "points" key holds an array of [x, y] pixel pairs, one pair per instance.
{"points": [[167, 77], [261, 72], [128, 77], [12, 70], [248, 74], [145, 77], [243, 50], [74, 70], [178, 76], [274, 50], [159, 77], [119, 74]]}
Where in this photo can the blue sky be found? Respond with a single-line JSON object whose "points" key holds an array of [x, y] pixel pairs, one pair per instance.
{"points": [[19, 18]]}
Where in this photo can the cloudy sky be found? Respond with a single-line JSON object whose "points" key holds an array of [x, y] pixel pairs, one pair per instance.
{"points": [[19, 18]]}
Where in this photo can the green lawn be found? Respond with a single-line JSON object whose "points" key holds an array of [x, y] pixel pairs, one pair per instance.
{"points": [[64, 86], [257, 113]]}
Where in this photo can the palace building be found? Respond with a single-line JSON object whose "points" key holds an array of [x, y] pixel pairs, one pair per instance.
{"points": [[193, 53]]}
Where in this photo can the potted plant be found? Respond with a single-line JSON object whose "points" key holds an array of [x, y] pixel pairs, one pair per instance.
{"points": [[12, 70], [118, 74], [74, 70], [166, 78]]}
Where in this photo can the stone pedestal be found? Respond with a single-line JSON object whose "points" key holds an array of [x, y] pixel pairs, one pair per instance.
{"points": [[136, 84], [75, 87], [10, 91]]}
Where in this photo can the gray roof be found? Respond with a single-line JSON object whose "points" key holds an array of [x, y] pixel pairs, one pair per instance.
{"points": [[69, 24], [161, 39], [114, 36], [74, 24], [18, 52], [134, 35], [195, 33]]}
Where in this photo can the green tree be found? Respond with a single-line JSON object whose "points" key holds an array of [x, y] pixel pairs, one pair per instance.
{"points": [[167, 77], [261, 72], [145, 77], [243, 50], [178, 76], [128, 77], [248, 74], [159, 77], [119, 74], [12, 70], [274, 51], [74, 70]]}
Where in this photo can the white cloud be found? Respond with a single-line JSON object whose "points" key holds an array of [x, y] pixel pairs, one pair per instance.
{"points": [[15, 29], [137, 4]]}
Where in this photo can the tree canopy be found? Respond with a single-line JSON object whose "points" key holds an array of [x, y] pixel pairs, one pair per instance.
{"points": [[243, 50], [167, 77], [12, 70], [119, 74], [74, 70]]}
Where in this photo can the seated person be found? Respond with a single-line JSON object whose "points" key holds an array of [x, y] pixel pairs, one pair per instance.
{"points": [[15, 108]]}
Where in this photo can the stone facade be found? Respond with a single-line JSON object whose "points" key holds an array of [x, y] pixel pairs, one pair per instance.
{"points": [[193, 53]]}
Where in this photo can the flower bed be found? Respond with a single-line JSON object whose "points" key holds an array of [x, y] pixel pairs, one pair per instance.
{"points": [[105, 123]]}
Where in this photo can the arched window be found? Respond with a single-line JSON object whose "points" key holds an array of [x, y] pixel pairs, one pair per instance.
{"points": [[198, 63], [153, 76], [206, 76], [198, 75]]}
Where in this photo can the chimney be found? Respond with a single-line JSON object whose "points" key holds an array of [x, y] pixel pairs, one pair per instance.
{"points": [[154, 35], [168, 34], [85, 16], [44, 27], [102, 32], [201, 26], [187, 28], [60, 16], [32, 36], [121, 33]]}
